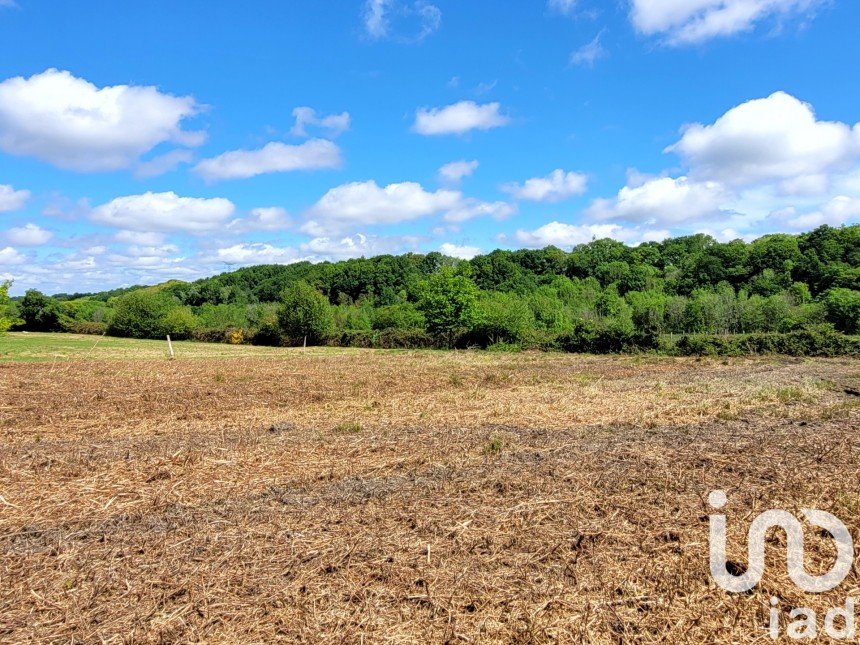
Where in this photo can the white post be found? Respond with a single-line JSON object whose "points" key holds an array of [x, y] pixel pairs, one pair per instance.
{"points": [[169, 346], [305, 343]]}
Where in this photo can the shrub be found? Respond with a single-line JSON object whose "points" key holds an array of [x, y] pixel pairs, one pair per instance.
{"points": [[6, 318], [223, 316], [595, 338], [399, 316], [180, 322], [505, 347], [84, 327], [267, 334], [305, 313], [501, 317], [813, 340], [39, 312], [143, 314], [448, 300], [387, 339], [843, 309]]}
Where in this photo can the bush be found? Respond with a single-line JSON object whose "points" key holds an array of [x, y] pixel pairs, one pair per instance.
{"points": [[813, 340], [593, 338], [180, 322], [448, 299], [501, 318], [143, 314], [231, 335], [84, 327], [39, 312], [505, 347], [399, 316], [267, 334], [305, 313], [6, 317], [223, 316], [843, 309], [387, 339]]}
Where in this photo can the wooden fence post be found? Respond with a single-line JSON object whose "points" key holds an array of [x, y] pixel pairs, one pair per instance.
{"points": [[169, 346]]}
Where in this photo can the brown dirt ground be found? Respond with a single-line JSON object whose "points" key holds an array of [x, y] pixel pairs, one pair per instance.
{"points": [[410, 497]]}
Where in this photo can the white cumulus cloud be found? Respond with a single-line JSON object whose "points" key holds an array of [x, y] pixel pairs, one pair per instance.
{"points": [[459, 251], [333, 125], [315, 250], [665, 200], [459, 118], [567, 235], [469, 208], [73, 124], [11, 199], [366, 203], [164, 212], [28, 235], [139, 238], [555, 187], [269, 218], [316, 154], [777, 137], [454, 172], [10, 256], [163, 164], [692, 21], [355, 246], [258, 253], [839, 210]]}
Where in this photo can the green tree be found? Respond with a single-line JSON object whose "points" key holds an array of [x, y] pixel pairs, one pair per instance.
{"points": [[179, 322], [448, 300], [305, 313], [142, 314], [5, 313], [502, 317], [399, 316], [843, 309], [39, 312]]}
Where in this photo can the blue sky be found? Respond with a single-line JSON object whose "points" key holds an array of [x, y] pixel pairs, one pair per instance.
{"points": [[141, 142]]}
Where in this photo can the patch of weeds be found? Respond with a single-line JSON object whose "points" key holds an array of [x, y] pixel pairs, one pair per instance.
{"points": [[455, 379], [787, 394], [505, 347], [839, 410], [219, 377], [584, 379], [494, 446], [348, 428], [825, 384], [790, 394]]}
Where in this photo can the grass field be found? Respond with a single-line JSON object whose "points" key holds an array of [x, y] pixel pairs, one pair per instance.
{"points": [[246, 495], [29, 346]]}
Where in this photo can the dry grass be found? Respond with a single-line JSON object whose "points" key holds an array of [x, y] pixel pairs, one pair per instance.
{"points": [[408, 497]]}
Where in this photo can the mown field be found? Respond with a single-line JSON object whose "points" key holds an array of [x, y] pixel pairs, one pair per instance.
{"points": [[240, 494]]}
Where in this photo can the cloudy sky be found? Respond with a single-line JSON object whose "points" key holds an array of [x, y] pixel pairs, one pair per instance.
{"points": [[146, 141]]}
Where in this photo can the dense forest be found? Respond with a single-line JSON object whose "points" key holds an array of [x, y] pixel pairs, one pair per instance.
{"points": [[788, 293]]}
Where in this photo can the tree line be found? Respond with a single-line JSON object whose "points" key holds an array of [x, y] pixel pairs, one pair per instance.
{"points": [[600, 296]]}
